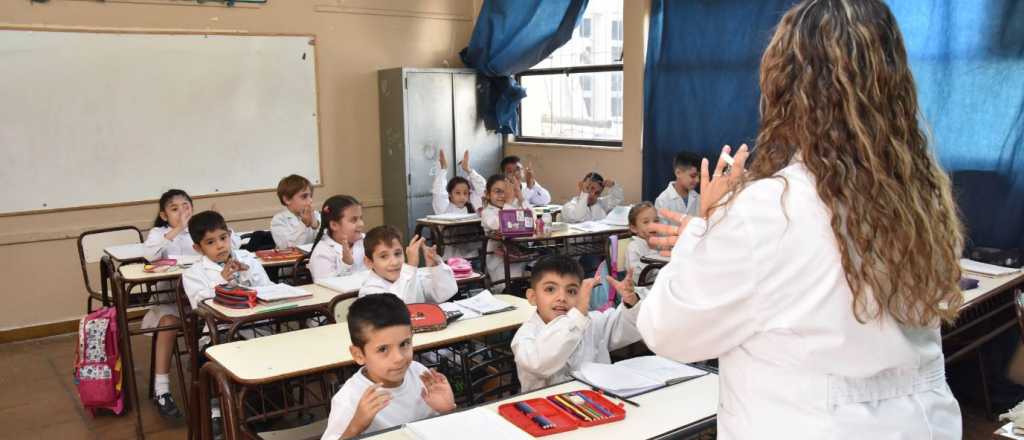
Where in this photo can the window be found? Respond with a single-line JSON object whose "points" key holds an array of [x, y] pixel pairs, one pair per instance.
{"points": [[575, 94]]}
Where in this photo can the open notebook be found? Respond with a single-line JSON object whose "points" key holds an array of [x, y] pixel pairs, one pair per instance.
{"points": [[345, 284], [280, 292], [985, 268], [483, 303], [476, 423], [618, 217], [636, 376]]}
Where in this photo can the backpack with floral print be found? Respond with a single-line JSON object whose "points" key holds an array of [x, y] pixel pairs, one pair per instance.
{"points": [[97, 372]]}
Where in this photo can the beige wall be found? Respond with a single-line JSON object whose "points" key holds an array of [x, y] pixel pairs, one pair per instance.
{"points": [[560, 168], [38, 257]]}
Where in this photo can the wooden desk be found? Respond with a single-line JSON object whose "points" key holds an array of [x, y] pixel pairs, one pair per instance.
{"points": [[448, 233], [216, 315], [571, 242], [290, 356], [125, 253], [678, 410]]}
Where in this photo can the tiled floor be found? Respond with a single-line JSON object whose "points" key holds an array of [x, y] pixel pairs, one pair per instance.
{"points": [[38, 400]]}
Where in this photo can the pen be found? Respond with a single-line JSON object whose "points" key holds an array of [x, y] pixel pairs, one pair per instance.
{"points": [[605, 392]]}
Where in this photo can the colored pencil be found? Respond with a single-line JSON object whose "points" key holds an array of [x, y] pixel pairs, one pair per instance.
{"points": [[596, 405], [570, 407]]}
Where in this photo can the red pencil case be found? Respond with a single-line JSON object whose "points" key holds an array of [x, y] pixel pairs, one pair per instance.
{"points": [[563, 412], [279, 254]]}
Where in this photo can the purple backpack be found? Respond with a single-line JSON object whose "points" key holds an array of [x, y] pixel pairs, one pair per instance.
{"points": [[97, 372]]}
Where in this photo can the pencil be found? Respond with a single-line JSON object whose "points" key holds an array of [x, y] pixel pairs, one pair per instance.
{"points": [[593, 403], [583, 416]]}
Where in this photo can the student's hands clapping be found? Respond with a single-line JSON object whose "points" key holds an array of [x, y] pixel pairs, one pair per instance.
{"points": [[430, 254], [412, 252], [528, 174], [583, 297], [373, 401], [516, 187], [625, 288], [437, 392], [231, 267]]}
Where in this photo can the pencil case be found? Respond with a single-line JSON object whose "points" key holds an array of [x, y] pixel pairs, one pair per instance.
{"points": [[562, 412], [160, 265], [280, 254], [235, 297]]}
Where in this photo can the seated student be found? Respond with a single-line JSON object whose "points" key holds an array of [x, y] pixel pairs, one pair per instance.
{"points": [[535, 194], [397, 272], [458, 195], [338, 247], [564, 334], [502, 192], [681, 195], [298, 223], [220, 264], [641, 216], [590, 205], [390, 388]]}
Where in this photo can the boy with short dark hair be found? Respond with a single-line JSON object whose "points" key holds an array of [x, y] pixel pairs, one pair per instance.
{"points": [[681, 195], [397, 272], [390, 389], [220, 264], [536, 195], [298, 223], [564, 333]]}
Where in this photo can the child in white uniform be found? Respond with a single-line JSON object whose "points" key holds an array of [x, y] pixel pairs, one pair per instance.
{"points": [[338, 247], [501, 193], [220, 263], [298, 223], [391, 388], [564, 334], [681, 194], [397, 272], [462, 195], [641, 216], [590, 205]]}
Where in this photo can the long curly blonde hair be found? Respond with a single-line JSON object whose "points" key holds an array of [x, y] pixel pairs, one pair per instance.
{"points": [[837, 90]]}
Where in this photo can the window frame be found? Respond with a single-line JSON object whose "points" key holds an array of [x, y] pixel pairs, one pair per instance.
{"points": [[600, 68]]}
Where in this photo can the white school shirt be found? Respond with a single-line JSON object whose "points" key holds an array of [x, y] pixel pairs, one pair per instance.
{"points": [[671, 200], [415, 285], [537, 195], [441, 203], [326, 262], [289, 231], [406, 405], [200, 279], [577, 211], [157, 246], [638, 249], [490, 221], [546, 353], [766, 294]]}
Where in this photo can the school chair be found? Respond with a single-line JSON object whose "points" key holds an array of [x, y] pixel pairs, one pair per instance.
{"points": [[127, 359], [300, 274], [91, 245], [339, 306]]}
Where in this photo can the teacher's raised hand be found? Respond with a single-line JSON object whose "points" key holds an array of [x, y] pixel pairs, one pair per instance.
{"points": [[713, 188]]}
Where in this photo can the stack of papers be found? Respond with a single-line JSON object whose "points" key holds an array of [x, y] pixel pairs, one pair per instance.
{"points": [[590, 226], [477, 423], [985, 268], [345, 284], [618, 217], [280, 292], [483, 303], [636, 376], [453, 217], [185, 260]]}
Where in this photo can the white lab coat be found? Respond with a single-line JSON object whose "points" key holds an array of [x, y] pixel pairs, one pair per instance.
{"points": [[158, 247], [495, 260], [671, 200], [547, 353], [637, 250], [577, 211], [325, 260], [289, 231], [200, 279], [415, 285], [766, 295], [536, 196], [441, 202]]}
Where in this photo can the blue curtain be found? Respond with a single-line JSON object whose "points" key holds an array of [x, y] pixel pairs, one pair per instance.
{"points": [[701, 92], [512, 36]]}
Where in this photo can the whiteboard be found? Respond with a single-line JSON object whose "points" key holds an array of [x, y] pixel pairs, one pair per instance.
{"points": [[102, 118]]}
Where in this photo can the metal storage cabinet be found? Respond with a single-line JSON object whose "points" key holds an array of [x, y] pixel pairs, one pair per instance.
{"points": [[422, 110]]}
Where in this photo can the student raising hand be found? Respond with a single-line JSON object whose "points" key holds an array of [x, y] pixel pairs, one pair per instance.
{"points": [[441, 161], [412, 252], [528, 174], [465, 162], [346, 252], [437, 392], [583, 297], [430, 254], [373, 401], [625, 288]]}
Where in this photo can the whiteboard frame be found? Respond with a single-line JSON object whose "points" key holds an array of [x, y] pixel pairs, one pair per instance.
{"points": [[316, 87]]}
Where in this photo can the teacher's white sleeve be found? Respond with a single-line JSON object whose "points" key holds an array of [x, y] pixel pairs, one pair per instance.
{"points": [[704, 301]]}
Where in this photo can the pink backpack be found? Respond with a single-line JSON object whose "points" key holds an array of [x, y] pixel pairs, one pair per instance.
{"points": [[97, 372]]}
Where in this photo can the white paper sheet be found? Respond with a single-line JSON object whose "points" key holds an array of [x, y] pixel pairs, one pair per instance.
{"points": [[345, 284], [476, 423]]}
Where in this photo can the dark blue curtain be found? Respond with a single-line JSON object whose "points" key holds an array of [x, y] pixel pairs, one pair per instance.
{"points": [[512, 36], [701, 92]]}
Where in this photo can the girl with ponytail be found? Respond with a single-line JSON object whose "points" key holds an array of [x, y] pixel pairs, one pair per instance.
{"points": [[338, 247]]}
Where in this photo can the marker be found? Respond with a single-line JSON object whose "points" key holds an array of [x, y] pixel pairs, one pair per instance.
{"points": [[540, 420]]}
